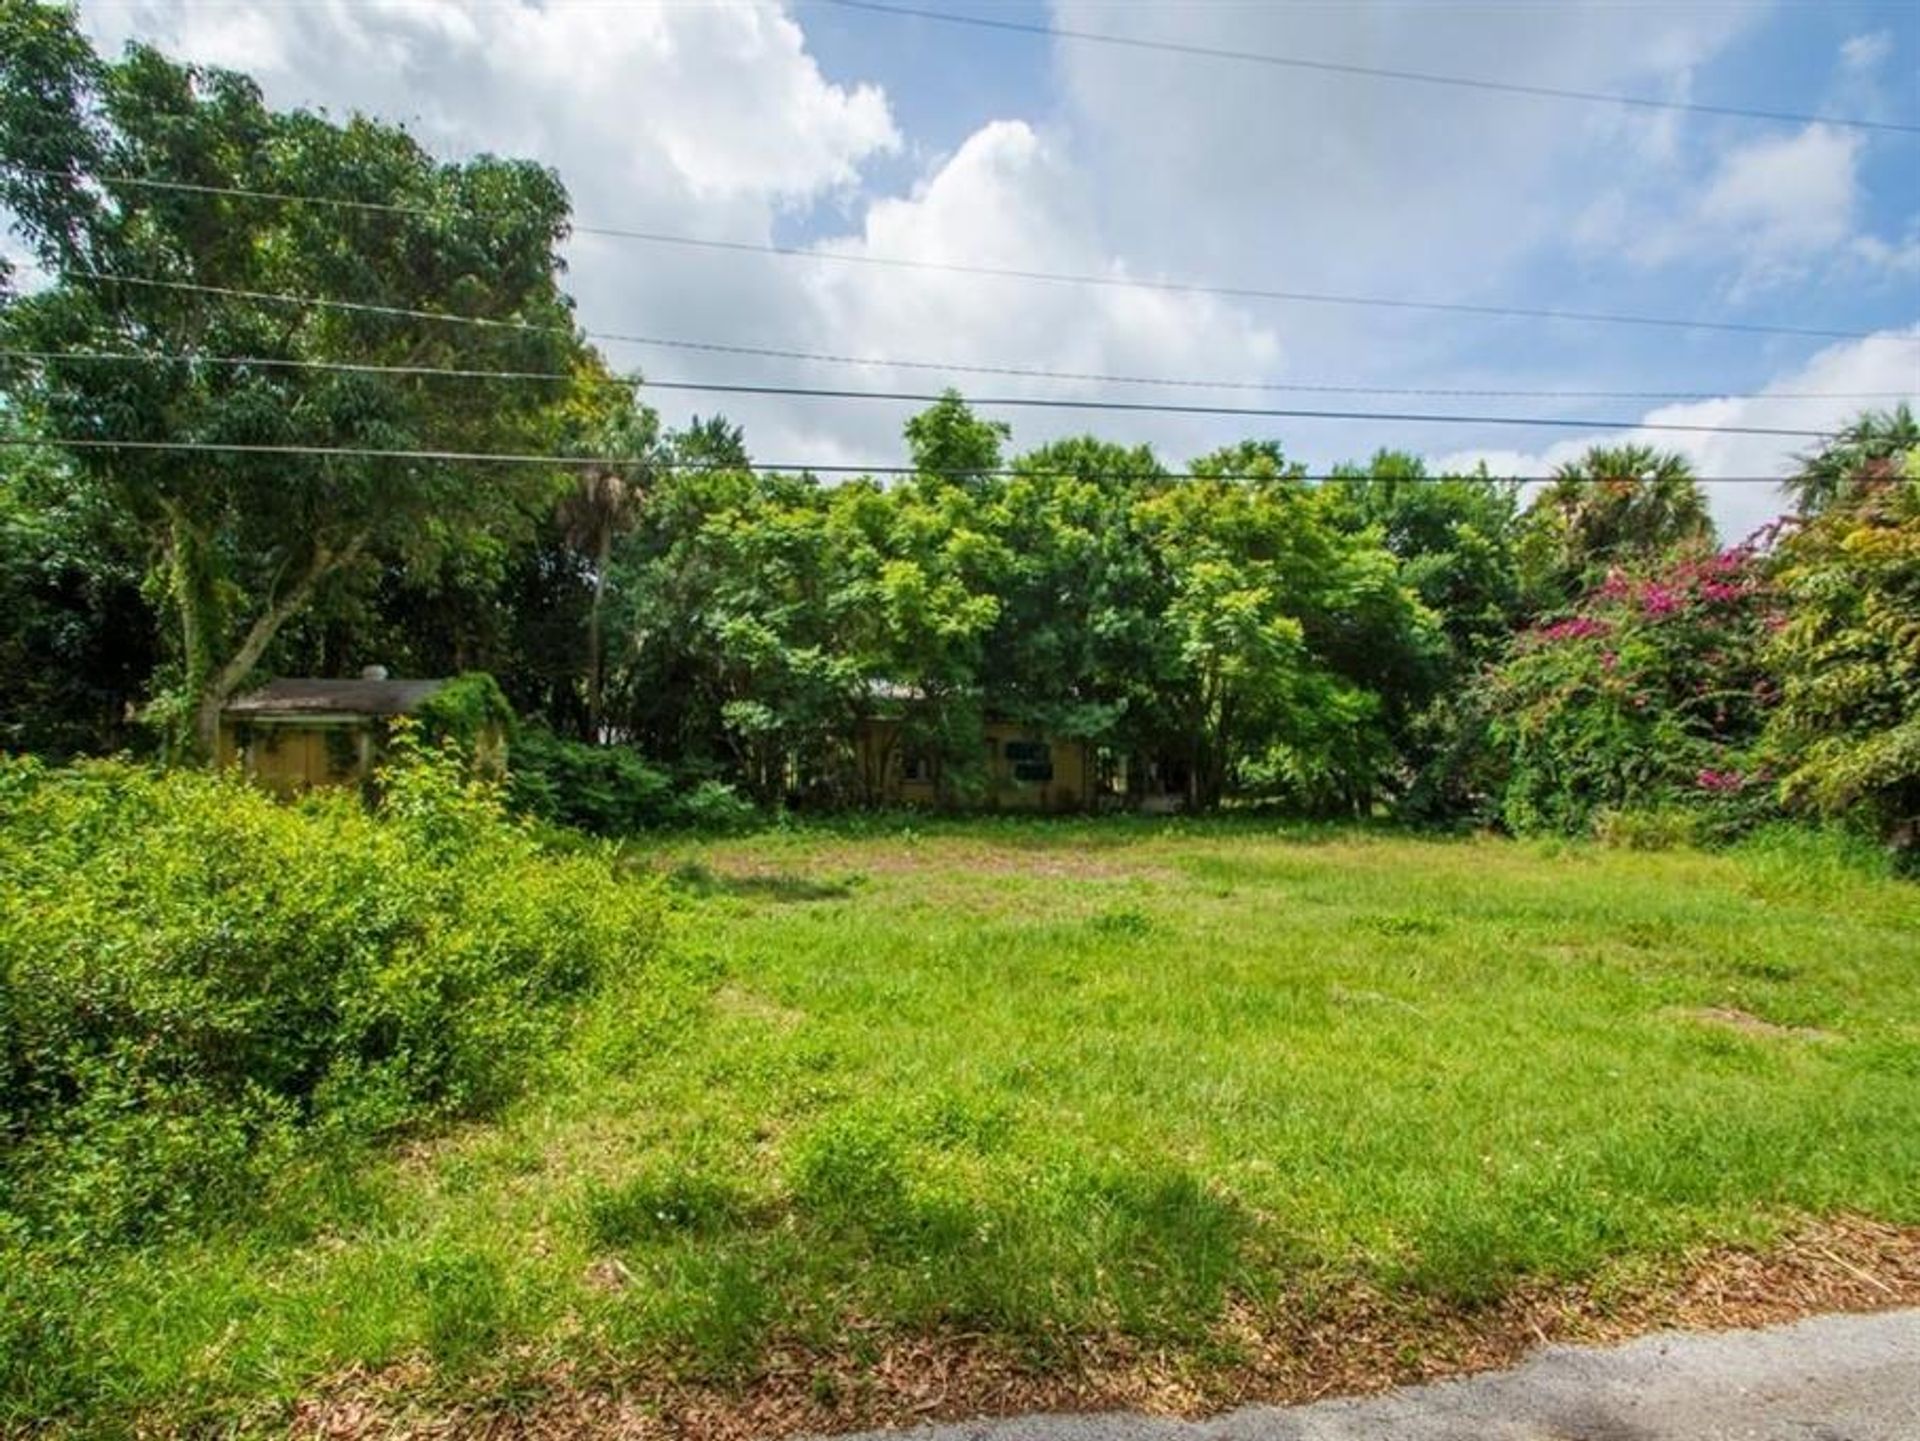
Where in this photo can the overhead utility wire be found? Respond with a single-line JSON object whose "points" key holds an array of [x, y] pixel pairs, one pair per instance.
{"points": [[1022, 371], [995, 402], [1056, 277], [518, 458], [1376, 72]]}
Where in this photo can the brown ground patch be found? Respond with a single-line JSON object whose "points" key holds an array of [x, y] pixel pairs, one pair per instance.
{"points": [[967, 857], [738, 1001], [1733, 1019], [1356, 1340]]}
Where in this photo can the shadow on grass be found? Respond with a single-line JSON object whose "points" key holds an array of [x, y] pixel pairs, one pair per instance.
{"points": [[698, 879]]}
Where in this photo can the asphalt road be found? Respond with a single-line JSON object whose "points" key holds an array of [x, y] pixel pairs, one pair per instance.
{"points": [[1833, 1378]]}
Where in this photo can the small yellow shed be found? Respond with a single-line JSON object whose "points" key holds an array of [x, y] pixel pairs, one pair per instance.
{"points": [[294, 734]]}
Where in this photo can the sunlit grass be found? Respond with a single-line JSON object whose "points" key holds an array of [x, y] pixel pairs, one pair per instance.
{"points": [[1048, 1080]]}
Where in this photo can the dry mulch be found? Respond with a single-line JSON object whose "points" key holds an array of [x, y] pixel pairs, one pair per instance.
{"points": [[1355, 1341]]}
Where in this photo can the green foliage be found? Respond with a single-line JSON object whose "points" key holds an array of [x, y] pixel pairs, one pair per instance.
{"points": [[1649, 695], [465, 709], [1615, 507], [949, 443], [252, 541], [612, 790], [79, 646], [1869, 452], [199, 981], [606, 790], [1847, 732]]}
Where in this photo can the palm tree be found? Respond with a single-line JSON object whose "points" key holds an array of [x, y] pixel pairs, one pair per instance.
{"points": [[1868, 451], [1613, 506], [605, 503]]}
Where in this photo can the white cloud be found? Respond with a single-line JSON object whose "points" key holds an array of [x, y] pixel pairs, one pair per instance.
{"points": [[713, 120], [1887, 363], [697, 103], [717, 120], [1339, 182], [1866, 52], [1787, 196]]}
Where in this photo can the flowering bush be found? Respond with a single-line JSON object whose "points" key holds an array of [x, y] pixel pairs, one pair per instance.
{"points": [[1649, 694]]}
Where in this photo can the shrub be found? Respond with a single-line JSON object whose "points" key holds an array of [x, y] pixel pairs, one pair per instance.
{"points": [[607, 790], [470, 711], [611, 790], [1847, 731], [198, 980], [716, 806], [1648, 695]]}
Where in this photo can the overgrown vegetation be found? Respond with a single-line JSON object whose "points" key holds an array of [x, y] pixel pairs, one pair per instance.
{"points": [[1148, 1086], [683, 632], [1129, 1083], [200, 985]]}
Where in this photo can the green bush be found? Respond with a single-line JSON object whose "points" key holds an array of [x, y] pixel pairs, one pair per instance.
{"points": [[198, 980], [611, 790], [607, 790], [1847, 731]]}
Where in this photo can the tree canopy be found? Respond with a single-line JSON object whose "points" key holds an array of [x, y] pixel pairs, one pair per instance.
{"points": [[179, 317], [290, 394]]}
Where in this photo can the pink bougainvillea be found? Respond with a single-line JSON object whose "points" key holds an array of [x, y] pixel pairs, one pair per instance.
{"points": [[1579, 627], [1652, 685]]}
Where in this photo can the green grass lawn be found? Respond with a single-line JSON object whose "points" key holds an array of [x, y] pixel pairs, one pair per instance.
{"points": [[1041, 1083]]}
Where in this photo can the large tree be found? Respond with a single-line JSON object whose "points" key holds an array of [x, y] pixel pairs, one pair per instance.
{"points": [[123, 176]]}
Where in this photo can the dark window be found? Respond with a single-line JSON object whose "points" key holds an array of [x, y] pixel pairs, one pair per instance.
{"points": [[1032, 761]]}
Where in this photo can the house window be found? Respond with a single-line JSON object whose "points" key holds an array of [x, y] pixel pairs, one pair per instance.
{"points": [[916, 768], [1031, 761]]}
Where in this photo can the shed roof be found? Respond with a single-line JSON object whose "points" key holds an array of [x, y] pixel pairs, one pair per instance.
{"points": [[306, 695]]}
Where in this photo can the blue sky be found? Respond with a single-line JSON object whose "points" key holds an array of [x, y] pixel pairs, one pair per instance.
{"points": [[847, 131]]}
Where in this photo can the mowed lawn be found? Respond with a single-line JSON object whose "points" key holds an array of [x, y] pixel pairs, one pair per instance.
{"points": [[1043, 1084]]}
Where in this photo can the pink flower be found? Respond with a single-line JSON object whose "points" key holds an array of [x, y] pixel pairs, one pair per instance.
{"points": [[1720, 782], [1659, 600], [1579, 627]]}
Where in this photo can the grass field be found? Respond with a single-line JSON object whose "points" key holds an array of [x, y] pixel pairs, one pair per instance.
{"points": [[1035, 1087]]}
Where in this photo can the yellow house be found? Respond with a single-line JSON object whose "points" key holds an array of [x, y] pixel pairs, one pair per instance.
{"points": [[1024, 770], [294, 734]]}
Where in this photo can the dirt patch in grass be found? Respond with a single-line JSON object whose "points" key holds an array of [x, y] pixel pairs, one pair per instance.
{"points": [[959, 858], [738, 1001], [1353, 1340], [1747, 1024]]}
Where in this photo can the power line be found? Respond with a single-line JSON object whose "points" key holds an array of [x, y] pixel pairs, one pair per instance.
{"points": [[1023, 372], [1055, 277], [523, 458], [990, 402], [1264, 386], [1375, 72], [1019, 371]]}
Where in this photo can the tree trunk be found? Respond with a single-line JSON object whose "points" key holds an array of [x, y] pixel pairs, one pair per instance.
{"points": [[198, 599], [596, 666], [215, 687]]}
